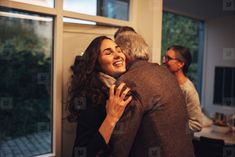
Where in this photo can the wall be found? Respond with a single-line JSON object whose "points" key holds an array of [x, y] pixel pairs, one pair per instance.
{"points": [[147, 19], [220, 34], [200, 9]]}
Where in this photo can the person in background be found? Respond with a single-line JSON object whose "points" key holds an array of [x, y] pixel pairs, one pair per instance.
{"points": [[156, 124], [177, 60], [87, 98]]}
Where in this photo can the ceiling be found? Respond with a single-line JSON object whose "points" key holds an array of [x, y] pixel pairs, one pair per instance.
{"points": [[201, 9]]}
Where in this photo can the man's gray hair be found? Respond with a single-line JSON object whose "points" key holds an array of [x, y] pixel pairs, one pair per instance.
{"points": [[133, 45]]}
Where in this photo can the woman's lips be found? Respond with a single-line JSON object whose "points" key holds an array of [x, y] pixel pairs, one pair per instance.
{"points": [[118, 63]]}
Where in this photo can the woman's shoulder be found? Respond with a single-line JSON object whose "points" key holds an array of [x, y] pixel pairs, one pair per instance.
{"points": [[189, 90], [188, 87], [188, 84]]}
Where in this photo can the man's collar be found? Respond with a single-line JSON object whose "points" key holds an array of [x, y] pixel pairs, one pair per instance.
{"points": [[133, 63]]}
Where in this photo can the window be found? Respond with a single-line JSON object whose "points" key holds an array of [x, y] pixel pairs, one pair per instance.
{"points": [[26, 43], [224, 86], [188, 32], [116, 9]]}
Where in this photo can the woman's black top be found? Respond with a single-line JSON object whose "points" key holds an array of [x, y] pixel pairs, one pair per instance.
{"points": [[89, 142]]}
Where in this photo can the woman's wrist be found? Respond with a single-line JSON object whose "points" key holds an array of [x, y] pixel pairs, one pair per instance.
{"points": [[112, 119], [107, 127]]}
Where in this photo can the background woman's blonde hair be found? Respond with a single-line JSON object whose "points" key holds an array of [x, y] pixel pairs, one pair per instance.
{"points": [[133, 45]]}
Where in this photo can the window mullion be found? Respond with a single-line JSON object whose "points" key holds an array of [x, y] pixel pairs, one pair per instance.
{"points": [[57, 83]]}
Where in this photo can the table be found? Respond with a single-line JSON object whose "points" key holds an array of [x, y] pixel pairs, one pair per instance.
{"points": [[229, 138]]}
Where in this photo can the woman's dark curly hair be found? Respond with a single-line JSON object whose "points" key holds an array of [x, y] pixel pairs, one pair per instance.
{"points": [[85, 87]]}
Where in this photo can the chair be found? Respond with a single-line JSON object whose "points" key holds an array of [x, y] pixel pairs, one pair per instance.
{"points": [[196, 146], [209, 147]]}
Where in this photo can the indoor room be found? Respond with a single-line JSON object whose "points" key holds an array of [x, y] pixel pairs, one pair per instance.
{"points": [[43, 44]]}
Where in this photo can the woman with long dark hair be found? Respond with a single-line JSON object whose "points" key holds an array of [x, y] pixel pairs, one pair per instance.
{"points": [[94, 107]]}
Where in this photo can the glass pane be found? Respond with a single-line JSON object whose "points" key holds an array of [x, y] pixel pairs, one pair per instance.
{"points": [[26, 42], [45, 3], [71, 20], [116, 9], [224, 81]]}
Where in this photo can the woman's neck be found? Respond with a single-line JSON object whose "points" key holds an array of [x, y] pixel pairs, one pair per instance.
{"points": [[180, 77]]}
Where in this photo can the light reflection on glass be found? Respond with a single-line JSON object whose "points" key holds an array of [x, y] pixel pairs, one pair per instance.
{"points": [[107, 8], [71, 20], [45, 3]]}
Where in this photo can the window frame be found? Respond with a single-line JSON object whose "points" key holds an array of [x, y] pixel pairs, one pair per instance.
{"points": [[58, 13]]}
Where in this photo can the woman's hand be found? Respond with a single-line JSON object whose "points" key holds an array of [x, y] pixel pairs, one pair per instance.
{"points": [[115, 107], [117, 103]]}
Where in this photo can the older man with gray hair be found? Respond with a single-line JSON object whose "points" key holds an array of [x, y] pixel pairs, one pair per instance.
{"points": [[155, 122], [133, 45]]}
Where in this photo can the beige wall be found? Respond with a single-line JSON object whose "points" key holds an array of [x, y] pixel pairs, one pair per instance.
{"points": [[219, 36], [147, 19]]}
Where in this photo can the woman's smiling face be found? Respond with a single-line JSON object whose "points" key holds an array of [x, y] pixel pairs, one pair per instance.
{"points": [[111, 58]]}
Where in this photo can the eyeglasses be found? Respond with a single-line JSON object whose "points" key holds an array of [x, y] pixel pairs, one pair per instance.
{"points": [[168, 58]]}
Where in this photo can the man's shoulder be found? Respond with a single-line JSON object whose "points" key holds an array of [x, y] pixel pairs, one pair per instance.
{"points": [[146, 70], [142, 66]]}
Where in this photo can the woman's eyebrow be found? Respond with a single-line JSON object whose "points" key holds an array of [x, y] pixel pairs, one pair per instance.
{"points": [[109, 49]]}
